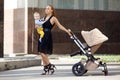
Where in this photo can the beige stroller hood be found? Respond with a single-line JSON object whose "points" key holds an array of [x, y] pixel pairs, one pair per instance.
{"points": [[94, 37]]}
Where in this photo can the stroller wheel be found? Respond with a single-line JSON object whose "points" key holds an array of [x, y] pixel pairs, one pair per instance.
{"points": [[105, 69], [78, 69]]}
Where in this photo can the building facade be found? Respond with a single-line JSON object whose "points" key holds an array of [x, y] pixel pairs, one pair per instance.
{"points": [[74, 14], [1, 27]]}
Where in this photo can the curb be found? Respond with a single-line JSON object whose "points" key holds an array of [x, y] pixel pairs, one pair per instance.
{"points": [[19, 62]]}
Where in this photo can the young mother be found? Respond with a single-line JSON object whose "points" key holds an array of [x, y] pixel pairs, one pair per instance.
{"points": [[45, 46]]}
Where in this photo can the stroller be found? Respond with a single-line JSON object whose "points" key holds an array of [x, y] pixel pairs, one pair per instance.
{"points": [[88, 50]]}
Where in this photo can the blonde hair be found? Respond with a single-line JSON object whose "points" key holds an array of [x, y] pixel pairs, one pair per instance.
{"points": [[36, 14]]}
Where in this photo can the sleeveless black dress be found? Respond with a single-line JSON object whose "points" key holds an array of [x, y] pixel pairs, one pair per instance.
{"points": [[46, 44]]}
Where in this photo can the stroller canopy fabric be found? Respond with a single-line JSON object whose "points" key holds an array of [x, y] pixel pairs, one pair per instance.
{"points": [[94, 37]]}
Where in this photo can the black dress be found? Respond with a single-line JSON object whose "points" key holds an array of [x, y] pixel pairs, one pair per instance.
{"points": [[46, 44]]}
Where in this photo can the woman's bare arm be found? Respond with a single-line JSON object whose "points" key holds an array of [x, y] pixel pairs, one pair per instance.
{"points": [[60, 26]]}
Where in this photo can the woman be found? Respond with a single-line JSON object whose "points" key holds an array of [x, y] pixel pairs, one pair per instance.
{"points": [[45, 46]]}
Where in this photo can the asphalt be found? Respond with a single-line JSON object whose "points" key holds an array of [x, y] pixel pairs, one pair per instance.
{"points": [[63, 72]]}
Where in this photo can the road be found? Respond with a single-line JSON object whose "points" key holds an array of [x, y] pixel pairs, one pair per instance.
{"points": [[63, 72]]}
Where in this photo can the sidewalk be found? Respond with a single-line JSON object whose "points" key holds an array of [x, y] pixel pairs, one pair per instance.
{"points": [[17, 62], [63, 72]]}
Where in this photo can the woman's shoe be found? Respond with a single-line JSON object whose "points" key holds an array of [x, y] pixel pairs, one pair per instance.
{"points": [[46, 70], [52, 68]]}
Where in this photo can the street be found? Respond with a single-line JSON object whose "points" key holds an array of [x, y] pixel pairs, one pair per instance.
{"points": [[63, 72]]}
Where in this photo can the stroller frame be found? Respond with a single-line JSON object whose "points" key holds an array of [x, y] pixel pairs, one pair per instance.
{"points": [[91, 63]]}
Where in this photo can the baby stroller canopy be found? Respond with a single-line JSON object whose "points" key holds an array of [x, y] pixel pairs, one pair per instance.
{"points": [[94, 37]]}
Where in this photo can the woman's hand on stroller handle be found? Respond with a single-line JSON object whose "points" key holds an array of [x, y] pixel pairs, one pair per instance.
{"points": [[71, 34]]}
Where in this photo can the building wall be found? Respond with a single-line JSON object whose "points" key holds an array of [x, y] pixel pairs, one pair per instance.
{"points": [[107, 21], [107, 5], [74, 14], [1, 27], [14, 31], [15, 27], [8, 31], [80, 15], [19, 31], [114, 5]]}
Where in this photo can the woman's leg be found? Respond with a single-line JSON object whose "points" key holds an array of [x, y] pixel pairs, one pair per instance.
{"points": [[45, 59], [47, 65]]}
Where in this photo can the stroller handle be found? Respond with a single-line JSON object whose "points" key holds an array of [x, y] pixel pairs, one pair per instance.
{"points": [[71, 32], [72, 36], [78, 42]]}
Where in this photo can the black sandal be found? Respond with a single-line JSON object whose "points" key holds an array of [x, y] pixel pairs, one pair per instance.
{"points": [[52, 68], [46, 70]]}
